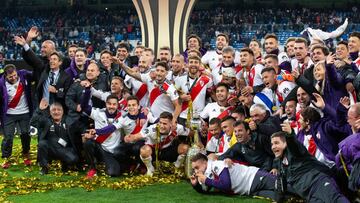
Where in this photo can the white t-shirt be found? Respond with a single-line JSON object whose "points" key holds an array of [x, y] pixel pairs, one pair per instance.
{"points": [[135, 86], [295, 65], [149, 134], [253, 77], [318, 154], [101, 121], [212, 58], [218, 146], [212, 110], [22, 107], [185, 83], [128, 124], [161, 96], [241, 176]]}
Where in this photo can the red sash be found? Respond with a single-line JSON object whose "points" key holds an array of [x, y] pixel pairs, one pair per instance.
{"points": [[156, 92], [15, 101], [137, 127], [167, 140], [238, 68], [221, 144], [122, 104], [141, 92], [251, 76], [195, 91], [102, 138]]}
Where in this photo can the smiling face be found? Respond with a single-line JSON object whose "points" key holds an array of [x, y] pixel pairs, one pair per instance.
{"points": [[193, 66], [254, 46], [165, 126], [354, 44], [278, 146], [342, 51], [92, 72], [221, 42], [290, 109], [105, 59], [319, 72], [246, 59], [160, 73], [122, 53], [56, 112], [112, 105], [215, 130], [302, 97], [221, 94], [133, 107], [242, 135], [317, 55], [80, 58], [193, 43], [54, 62], [12, 77], [290, 48], [177, 64], [228, 58], [270, 45]]}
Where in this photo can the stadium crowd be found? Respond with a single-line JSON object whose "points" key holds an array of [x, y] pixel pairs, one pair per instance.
{"points": [[272, 123]]}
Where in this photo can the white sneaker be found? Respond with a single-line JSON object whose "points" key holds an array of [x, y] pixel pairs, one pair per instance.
{"points": [[150, 171]]}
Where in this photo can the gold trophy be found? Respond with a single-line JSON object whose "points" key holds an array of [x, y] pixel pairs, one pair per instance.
{"points": [[195, 125]]}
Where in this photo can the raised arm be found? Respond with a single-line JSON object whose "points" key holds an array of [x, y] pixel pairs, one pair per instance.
{"points": [[132, 72]]}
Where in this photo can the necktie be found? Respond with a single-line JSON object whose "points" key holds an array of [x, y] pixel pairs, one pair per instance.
{"points": [[312, 146], [52, 78]]}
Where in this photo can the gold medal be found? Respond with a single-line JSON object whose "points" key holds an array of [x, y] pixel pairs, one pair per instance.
{"points": [[274, 108]]}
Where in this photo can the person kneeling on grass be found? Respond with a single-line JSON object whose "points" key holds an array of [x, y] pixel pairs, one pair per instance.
{"points": [[234, 179], [170, 149], [311, 179], [54, 140]]}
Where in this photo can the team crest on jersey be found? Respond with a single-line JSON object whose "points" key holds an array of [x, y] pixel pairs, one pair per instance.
{"points": [[201, 83], [146, 131], [318, 135]]}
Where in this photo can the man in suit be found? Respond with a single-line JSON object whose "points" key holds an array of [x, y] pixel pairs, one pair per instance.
{"points": [[54, 139]]}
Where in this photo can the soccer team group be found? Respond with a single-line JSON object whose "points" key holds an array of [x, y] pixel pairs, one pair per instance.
{"points": [[266, 122]]}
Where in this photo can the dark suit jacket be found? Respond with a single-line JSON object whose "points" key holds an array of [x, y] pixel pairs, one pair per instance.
{"points": [[62, 85]]}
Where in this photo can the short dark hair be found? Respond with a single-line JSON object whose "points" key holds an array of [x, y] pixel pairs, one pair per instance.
{"points": [[9, 68], [324, 49], [118, 78], [223, 35], [281, 135], [343, 43], [227, 118], [215, 121], [194, 58], [162, 64], [257, 41], [106, 51], [239, 109], [199, 156], [301, 40], [270, 69], [165, 48], [310, 115], [166, 115], [73, 45], [247, 49], [133, 97], [271, 35], [221, 84], [82, 50], [112, 96], [123, 45], [290, 39], [355, 34], [58, 55], [194, 36], [149, 49], [243, 123], [273, 56]]}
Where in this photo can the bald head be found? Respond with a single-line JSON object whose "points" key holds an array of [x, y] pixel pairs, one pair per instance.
{"points": [[47, 47]]}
